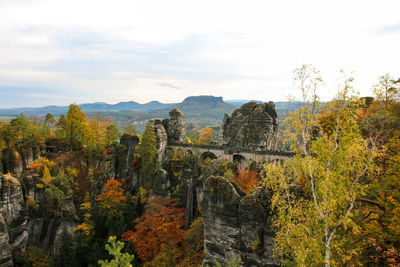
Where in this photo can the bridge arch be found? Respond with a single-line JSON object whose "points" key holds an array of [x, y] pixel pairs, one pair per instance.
{"points": [[208, 154], [239, 160]]}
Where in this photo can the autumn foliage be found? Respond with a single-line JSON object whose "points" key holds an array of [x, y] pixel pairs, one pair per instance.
{"points": [[112, 200], [247, 179], [206, 135], [159, 227]]}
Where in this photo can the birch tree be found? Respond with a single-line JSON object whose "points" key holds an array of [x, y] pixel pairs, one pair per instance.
{"points": [[314, 194]]}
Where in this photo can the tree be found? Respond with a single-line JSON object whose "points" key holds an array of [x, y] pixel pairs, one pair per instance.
{"points": [[49, 120], [112, 134], [331, 166], [130, 129], [387, 89], [206, 135], [112, 201], [61, 127], [66, 252], [247, 179], [120, 259], [149, 155], [159, 228], [75, 126]]}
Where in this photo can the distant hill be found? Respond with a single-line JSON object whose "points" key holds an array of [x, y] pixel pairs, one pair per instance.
{"points": [[88, 107], [202, 110]]}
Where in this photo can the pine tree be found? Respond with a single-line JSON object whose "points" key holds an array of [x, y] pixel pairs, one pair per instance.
{"points": [[149, 155], [114, 249], [66, 252], [130, 129]]}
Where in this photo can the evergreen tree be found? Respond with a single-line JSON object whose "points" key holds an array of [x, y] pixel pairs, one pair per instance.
{"points": [[66, 252], [149, 155], [114, 249], [130, 129], [112, 134]]}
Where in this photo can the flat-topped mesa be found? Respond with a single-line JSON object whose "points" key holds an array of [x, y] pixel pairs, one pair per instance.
{"points": [[253, 125]]}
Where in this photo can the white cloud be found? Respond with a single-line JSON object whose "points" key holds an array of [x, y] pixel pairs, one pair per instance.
{"points": [[127, 50]]}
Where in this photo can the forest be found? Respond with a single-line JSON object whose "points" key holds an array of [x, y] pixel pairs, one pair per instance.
{"points": [[336, 202]]}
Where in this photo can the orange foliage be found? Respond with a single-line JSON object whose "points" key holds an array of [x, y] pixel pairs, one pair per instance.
{"points": [[247, 179], [160, 226], [206, 135], [112, 200], [40, 164]]}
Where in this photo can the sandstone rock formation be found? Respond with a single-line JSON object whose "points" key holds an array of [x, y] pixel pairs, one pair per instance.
{"points": [[161, 136], [14, 212], [252, 125], [236, 225], [168, 130], [5, 250], [176, 126]]}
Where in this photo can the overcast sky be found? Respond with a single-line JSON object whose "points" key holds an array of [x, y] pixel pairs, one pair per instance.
{"points": [[64, 51]]}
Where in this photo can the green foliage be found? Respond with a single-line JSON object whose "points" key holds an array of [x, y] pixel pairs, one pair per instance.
{"points": [[33, 256], [66, 251], [130, 129], [114, 249], [75, 126], [234, 262], [112, 134], [149, 155]]}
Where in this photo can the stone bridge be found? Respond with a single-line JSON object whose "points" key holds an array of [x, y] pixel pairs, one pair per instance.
{"points": [[242, 156]]}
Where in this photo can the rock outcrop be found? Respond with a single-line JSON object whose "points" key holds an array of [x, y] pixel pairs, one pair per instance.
{"points": [[14, 212], [253, 125], [5, 249], [236, 225], [176, 126], [168, 130], [161, 137]]}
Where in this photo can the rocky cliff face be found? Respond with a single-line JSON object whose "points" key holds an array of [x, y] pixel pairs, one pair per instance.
{"points": [[236, 225], [252, 125], [14, 212], [161, 136], [5, 250]]}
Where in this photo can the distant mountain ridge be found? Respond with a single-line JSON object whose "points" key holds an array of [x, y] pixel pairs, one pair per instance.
{"points": [[88, 107]]}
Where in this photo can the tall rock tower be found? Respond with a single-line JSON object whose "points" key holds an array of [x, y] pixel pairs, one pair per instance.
{"points": [[253, 125]]}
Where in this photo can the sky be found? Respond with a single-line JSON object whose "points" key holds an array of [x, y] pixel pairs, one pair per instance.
{"points": [[57, 52]]}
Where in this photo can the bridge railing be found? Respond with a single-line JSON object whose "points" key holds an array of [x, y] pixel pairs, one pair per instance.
{"points": [[233, 150]]}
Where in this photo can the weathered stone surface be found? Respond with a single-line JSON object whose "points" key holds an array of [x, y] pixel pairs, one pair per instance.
{"points": [[12, 162], [221, 223], [5, 249], [176, 126], [252, 125], [122, 162], [14, 212], [256, 233], [161, 136], [237, 225]]}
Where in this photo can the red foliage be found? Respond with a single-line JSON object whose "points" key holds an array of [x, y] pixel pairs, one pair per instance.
{"points": [[161, 225], [247, 179]]}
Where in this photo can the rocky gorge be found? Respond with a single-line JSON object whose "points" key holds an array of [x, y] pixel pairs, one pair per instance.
{"points": [[236, 224]]}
